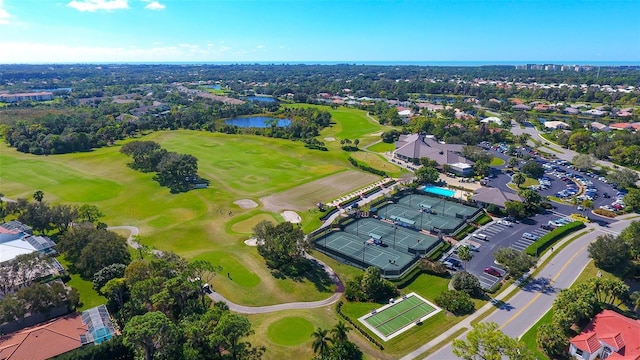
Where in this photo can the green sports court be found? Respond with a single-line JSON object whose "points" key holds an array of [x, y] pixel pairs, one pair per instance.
{"points": [[362, 252], [399, 315], [392, 240]]}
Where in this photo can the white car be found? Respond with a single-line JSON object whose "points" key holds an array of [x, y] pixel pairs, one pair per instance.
{"points": [[504, 222]]}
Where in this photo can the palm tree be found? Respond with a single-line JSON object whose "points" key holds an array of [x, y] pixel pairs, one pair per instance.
{"points": [[518, 179], [464, 254], [339, 332], [635, 300], [513, 162], [38, 195], [321, 341]]}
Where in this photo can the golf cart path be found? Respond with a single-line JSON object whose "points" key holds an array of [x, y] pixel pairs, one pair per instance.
{"points": [[134, 231]]}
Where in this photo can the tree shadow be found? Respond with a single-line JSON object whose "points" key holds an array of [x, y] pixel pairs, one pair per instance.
{"points": [[541, 285], [314, 272], [502, 305]]}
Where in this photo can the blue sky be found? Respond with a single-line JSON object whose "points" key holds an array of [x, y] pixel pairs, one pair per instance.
{"points": [[37, 31]]}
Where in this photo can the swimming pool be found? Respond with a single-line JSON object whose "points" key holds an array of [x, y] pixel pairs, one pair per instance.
{"points": [[439, 191]]}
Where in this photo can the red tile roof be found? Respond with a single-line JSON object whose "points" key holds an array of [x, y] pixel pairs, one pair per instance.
{"points": [[620, 126], [44, 341], [614, 330]]}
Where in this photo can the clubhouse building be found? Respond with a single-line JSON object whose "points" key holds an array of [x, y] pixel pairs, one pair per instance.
{"points": [[411, 148]]}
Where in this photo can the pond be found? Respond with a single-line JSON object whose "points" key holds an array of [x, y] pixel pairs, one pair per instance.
{"points": [[261, 99], [257, 122], [214, 87]]}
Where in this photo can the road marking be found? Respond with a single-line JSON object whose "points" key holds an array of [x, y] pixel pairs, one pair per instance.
{"points": [[540, 294]]}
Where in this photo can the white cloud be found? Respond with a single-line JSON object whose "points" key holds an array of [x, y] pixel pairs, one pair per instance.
{"points": [[260, 47], [95, 5], [154, 5], [4, 15], [15, 52]]}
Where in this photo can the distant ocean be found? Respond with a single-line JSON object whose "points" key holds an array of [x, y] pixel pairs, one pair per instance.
{"points": [[401, 63]]}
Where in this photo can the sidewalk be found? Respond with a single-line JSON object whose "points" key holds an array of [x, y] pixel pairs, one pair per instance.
{"points": [[466, 323]]}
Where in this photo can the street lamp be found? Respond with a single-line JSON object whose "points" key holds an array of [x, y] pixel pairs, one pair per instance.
{"points": [[395, 227], [364, 247]]}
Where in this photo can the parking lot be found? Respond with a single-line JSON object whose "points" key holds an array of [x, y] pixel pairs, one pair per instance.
{"points": [[511, 236]]}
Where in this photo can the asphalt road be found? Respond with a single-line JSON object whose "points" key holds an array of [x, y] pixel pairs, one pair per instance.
{"points": [[525, 308]]}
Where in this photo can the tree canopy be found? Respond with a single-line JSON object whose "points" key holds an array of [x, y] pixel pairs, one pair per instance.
{"points": [[487, 342], [282, 246]]}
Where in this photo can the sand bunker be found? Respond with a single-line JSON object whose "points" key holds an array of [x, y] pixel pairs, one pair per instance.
{"points": [[246, 203], [329, 139], [251, 242], [291, 216]]}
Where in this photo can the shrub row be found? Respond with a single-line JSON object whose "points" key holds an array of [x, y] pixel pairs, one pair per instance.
{"points": [[357, 327], [464, 232], [606, 213], [408, 278], [366, 168], [551, 237], [435, 255], [483, 219]]}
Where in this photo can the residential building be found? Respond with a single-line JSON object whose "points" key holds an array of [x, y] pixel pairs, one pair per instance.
{"points": [[555, 125], [621, 126], [34, 96], [412, 148], [608, 336], [16, 239], [599, 126], [491, 119], [58, 336]]}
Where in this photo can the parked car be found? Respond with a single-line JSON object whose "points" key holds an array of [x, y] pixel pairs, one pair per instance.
{"points": [[504, 222], [481, 236], [546, 227], [512, 219], [492, 271], [529, 236]]}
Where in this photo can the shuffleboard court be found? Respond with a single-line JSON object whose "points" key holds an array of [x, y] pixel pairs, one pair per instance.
{"points": [[399, 316]]}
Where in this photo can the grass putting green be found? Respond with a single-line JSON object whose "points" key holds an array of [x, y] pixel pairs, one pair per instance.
{"points": [[290, 331]]}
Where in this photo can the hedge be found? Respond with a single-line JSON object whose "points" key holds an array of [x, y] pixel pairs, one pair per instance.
{"points": [[552, 236], [408, 278], [605, 212], [436, 254], [366, 168], [357, 326], [464, 232], [483, 219]]}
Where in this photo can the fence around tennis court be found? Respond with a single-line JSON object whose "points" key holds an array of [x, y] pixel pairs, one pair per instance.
{"points": [[357, 254]]}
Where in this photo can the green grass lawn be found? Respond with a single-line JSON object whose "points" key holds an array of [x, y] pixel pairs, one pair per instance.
{"points": [[274, 331], [191, 224], [427, 286], [528, 182], [530, 337], [88, 297], [378, 162], [349, 123], [381, 147], [496, 161]]}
